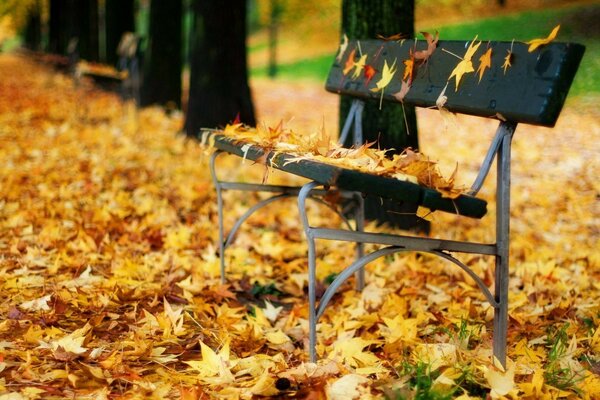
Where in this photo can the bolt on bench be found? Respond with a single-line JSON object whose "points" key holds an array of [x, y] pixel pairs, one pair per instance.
{"points": [[531, 90]]}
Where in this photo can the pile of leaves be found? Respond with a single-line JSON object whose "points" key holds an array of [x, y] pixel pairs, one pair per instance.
{"points": [[318, 146], [111, 286]]}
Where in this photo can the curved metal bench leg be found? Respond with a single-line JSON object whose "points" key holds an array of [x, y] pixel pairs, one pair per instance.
{"points": [[312, 271]]}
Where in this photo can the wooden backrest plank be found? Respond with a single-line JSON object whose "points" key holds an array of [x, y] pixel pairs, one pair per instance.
{"points": [[532, 90]]}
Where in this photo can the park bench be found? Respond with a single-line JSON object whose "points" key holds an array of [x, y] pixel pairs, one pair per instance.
{"points": [[124, 78], [532, 90]]}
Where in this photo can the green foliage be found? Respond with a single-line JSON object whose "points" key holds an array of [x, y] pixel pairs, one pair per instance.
{"points": [[556, 374], [259, 290], [577, 24], [421, 383]]}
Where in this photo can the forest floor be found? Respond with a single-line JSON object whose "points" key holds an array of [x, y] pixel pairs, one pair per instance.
{"points": [[111, 279]]}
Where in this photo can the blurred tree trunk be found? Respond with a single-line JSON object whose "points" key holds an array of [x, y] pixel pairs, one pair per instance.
{"points": [[56, 28], [74, 19], [392, 127], [219, 87], [119, 18], [163, 58], [275, 17], [86, 16], [33, 27]]}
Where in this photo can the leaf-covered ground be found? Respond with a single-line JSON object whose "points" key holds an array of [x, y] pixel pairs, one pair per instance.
{"points": [[110, 275]]}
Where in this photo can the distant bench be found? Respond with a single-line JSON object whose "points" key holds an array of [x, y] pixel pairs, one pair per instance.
{"points": [[531, 90]]}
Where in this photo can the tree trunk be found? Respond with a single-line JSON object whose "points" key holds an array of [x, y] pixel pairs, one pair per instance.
{"points": [[86, 16], [163, 58], [56, 40], [33, 28], [394, 126], [219, 87], [119, 16]]}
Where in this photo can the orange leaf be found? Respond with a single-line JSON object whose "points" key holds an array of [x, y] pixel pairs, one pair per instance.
{"points": [[403, 91], [349, 62], [409, 67], [431, 46], [535, 43], [369, 73], [485, 61]]}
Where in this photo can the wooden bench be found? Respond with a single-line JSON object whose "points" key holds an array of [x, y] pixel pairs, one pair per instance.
{"points": [[531, 90]]}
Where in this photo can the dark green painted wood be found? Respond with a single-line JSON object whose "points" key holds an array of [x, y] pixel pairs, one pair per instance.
{"points": [[347, 179], [532, 90]]}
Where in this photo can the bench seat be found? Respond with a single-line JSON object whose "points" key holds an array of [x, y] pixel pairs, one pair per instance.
{"points": [[352, 180]]}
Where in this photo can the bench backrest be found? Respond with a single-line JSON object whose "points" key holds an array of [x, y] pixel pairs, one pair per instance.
{"points": [[531, 90]]}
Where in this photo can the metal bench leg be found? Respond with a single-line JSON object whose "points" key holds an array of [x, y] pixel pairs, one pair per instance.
{"points": [[219, 191], [360, 247], [312, 271], [502, 243]]}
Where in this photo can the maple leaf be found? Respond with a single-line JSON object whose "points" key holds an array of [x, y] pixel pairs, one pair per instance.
{"points": [[401, 94], [535, 43], [271, 312], [349, 62], [358, 66], [342, 49], [369, 74], [431, 46], [409, 66], [485, 61], [351, 386], [386, 76], [351, 351], [501, 382], [465, 65], [507, 61], [214, 367], [396, 37]]}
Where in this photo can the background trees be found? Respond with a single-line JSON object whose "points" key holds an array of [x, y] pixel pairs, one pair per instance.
{"points": [[163, 57], [219, 87]]}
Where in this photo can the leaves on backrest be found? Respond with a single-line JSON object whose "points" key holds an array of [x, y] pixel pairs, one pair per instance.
{"points": [[535, 43], [485, 61], [342, 49], [465, 65], [431, 46]]}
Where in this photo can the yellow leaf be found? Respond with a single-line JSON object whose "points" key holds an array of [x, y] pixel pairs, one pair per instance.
{"points": [[501, 382], [386, 76], [214, 365], [359, 65], [351, 351], [342, 49], [277, 337], [535, 43], [347, 387], [401, 328], [507, 61], [465, 65], [485, 61]]}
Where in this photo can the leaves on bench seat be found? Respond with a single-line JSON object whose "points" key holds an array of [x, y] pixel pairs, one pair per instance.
{"points": [[409, 166]]}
